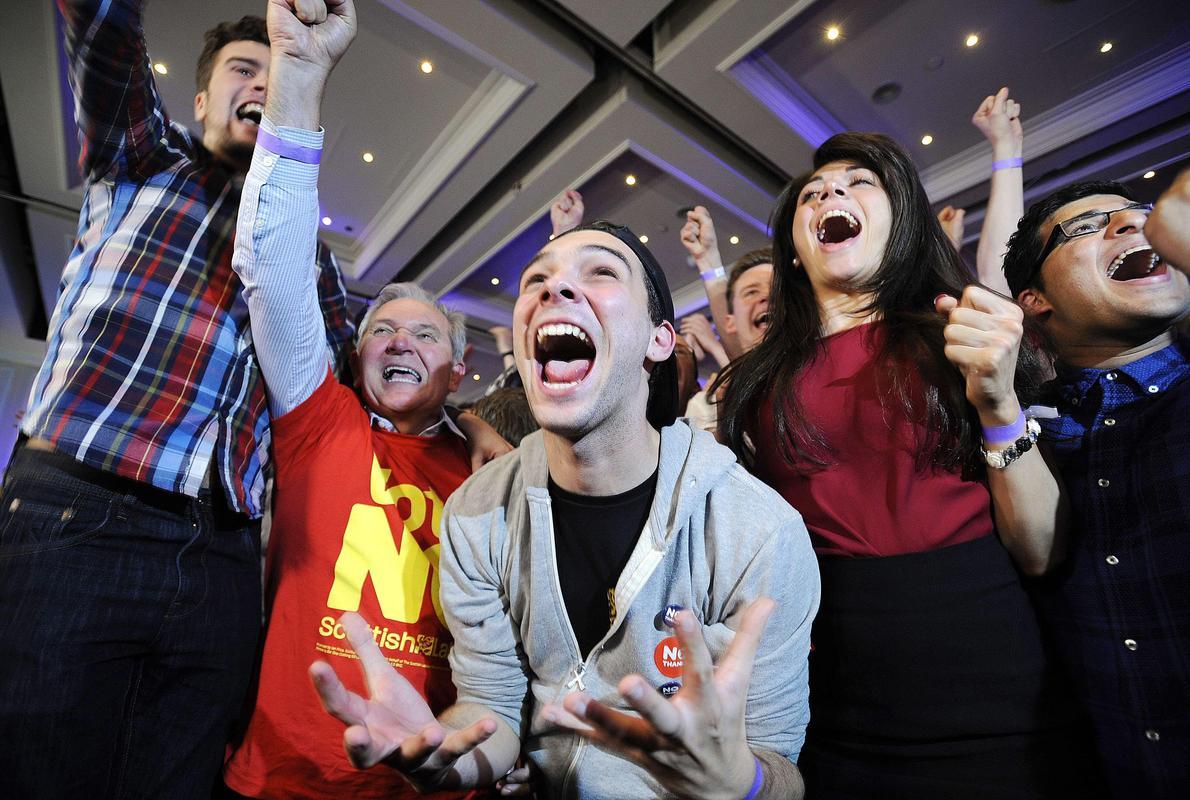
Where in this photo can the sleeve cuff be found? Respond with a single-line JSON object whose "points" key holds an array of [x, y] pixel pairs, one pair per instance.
{"points": [[273, 160]]}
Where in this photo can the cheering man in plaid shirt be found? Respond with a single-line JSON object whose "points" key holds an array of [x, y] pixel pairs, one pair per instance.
{"points": [[129, 521]]}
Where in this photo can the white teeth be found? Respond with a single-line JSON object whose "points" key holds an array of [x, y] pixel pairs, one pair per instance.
{"points": [[257, 107], [565, 385], [1119, 260], [838, 212], [560, 329], [398, 374]]}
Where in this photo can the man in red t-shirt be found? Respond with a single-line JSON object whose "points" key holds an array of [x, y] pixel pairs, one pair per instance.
{"points": [[358, 489]]}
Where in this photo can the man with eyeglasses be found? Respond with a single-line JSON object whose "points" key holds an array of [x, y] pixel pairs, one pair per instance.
{"points": [[1119, 603]]}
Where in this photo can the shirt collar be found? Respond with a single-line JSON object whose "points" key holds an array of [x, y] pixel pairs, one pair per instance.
{"points": [[1160, 369], [433, 430]]}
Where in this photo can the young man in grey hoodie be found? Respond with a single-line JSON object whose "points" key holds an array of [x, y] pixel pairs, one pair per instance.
{"points": [[608, 584]]}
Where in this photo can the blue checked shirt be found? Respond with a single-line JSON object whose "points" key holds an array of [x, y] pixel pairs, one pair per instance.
{"points": [[151, 372], [1120, 609]]}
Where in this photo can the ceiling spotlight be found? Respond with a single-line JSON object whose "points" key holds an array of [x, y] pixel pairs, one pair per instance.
{"points": [[1105, 47], [475, 377], [630, 179], [368, 157], [644, 239], [495, 281], [1149, 174], [326, 220], [832, 32], [734, 240], [160, 68], [972, 39], [427, 67], [927, 139]]}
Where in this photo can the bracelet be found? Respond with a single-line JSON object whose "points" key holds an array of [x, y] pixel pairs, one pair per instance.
{"points": [[1003, 434], [295, 152], [757, 782], [713, 274], [1008, 163]]}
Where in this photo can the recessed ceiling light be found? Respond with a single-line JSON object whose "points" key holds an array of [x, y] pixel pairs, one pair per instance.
{"points": [[427, 67], [160, 68], [475, 377], [644, 239], [1105, 47], [734, 240], [833, 32], [1149, 174], [630, 179], [495, 281], [368, 157], [326, 220], [927, 139], [972, 39]]}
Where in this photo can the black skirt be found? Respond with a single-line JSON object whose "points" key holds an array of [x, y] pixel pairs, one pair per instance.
{"points": [[929, 679]]}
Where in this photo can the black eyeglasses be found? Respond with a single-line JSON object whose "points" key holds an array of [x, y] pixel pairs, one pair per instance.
{"points": [[1083, 224]]}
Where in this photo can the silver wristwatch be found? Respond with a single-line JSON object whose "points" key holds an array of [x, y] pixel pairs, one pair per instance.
{"points": [[999, 459]]}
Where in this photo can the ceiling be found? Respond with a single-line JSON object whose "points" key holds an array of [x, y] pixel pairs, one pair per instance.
{"points": [[715, 102]]}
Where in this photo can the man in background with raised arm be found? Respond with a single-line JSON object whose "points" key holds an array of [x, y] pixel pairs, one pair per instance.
{"points": [[129, 560]]}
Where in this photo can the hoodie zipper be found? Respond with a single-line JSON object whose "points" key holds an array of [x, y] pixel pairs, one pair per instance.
{"points": [[575, 683]]}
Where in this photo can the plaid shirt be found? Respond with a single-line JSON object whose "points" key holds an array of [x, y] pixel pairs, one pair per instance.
{"points": [[150, 371], [1121, 610]]}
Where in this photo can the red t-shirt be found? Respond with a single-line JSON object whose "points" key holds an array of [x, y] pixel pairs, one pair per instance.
{"points": [[356, 516], [872, 500]]}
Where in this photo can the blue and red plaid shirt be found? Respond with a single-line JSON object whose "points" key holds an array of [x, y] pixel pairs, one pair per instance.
{"points": [[150, 371], [1119, 609]]}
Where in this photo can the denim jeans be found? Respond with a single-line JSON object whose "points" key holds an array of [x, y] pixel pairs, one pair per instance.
{"points": [[128, 635]]}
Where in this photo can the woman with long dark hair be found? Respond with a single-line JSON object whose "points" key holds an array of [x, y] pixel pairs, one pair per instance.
{"points": [[881, 404]]}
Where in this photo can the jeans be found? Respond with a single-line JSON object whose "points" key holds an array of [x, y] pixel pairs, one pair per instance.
{"points": [[129, 623]]}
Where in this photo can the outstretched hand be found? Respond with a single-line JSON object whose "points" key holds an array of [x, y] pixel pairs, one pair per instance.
{"points": [[693, 743], [393, 725], [312, 33], [566, 211], [698, 237], [999, 119], [983, 336]]}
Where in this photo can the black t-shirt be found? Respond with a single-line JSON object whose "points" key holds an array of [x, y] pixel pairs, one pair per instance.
{"points": [[593, 538]]}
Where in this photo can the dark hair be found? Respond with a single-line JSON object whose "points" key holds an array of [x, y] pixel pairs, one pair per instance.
{"points": [[918, 264], [753, 258], [507, 410], [662, 408], [247, 29], [1021, 266]]}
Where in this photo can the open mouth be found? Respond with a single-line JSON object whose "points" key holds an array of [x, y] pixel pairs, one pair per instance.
{"points": [[565, 353], [838, 226], [761, 321], [250, 112], [1135, 263], [395, 373]]}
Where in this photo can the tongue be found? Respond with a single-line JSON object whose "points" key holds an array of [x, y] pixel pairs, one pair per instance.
{"points": [[566, 371]]}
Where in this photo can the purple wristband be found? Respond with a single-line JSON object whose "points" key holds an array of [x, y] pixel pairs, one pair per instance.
{"points": [[757, 782], [294, 152], [1008, 163], [1005, 434]]}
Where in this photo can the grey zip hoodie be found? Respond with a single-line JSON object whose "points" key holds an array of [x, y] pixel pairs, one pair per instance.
{"points": [[715, 540]]}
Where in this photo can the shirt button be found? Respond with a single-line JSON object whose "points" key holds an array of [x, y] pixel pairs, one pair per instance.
{"points": [[1154, 390], [1152, 735], [1111, 376], [1104, 483], [1130, 644], [1109, 421], [1075, 401], [269, 160], [1112, 560]]}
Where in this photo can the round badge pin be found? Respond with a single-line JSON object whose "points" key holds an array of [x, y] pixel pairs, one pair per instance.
{"points": [[668, 657], [670, 615], [669, 689]]}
